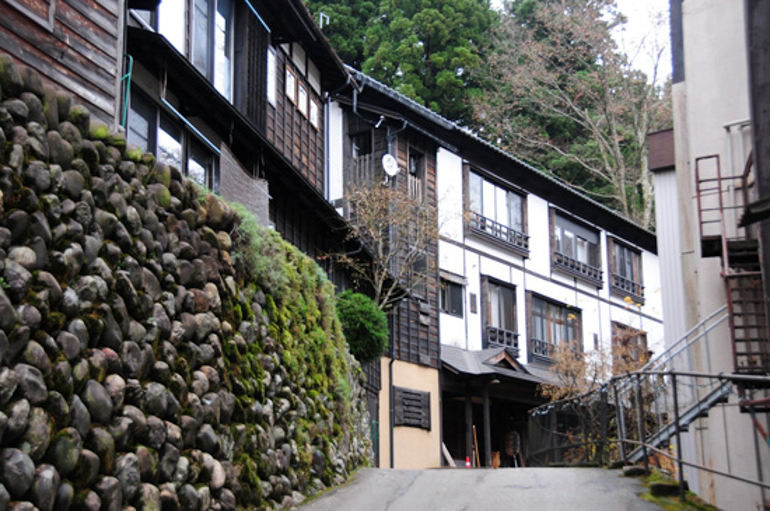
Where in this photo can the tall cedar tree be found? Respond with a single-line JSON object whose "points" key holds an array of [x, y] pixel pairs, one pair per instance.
{"points": [[427, 50], [560, 94], [345, 25]]}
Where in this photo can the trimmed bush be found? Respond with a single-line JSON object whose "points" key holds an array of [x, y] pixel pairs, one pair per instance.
{"points": [[365, 326]]}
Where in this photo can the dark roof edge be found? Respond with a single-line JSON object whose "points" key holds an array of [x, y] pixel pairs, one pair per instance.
{"points": [[609, 219]]}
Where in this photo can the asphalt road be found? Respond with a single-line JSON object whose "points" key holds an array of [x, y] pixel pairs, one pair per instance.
{"points": [[537, 489]]}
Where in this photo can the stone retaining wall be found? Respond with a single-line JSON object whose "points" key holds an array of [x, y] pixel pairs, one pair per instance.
{"points": [[157, 349]]}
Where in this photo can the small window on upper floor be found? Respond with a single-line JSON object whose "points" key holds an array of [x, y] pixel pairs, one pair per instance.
{"points": [[315, 114], [497, 213], [302, 99], [290, 87], [361, 143], [451, 298], [626, 271], [576, 249], [272, 76], [416, 176]]}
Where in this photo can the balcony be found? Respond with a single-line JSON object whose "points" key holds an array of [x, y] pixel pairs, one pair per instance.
{"points": [[499, 233], [541, 350], [627, 288], [499, 337], [578, 269]]}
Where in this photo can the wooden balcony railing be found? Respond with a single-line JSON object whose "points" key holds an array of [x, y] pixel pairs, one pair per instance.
{"points": [[627, 287], [578, 269], [496, 231], [501, 337]]}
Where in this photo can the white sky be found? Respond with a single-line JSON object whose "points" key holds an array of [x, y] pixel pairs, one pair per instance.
{"points": [[645, 34]]}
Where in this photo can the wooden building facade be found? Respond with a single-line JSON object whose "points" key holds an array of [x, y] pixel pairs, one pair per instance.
{"points": [[77, 45]]}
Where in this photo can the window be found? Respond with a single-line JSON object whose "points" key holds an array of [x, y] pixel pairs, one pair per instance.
{"points": [[361, 143], [551, 324], [315, 114], [451, 298], [629, 348], [161, 134], [626, 268], [291, 86], [201, 45], [576, 249], [302, 99], [272, 79], [169, 14], [415, 175], [499, 304], [141, 126], [419, 275], [209, 36], [223, 48], [497, 213], [170, 142]]}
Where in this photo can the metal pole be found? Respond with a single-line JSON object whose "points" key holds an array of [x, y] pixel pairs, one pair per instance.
{"points": [[640, 423], [678, 439], [620, 419], [604, 433], [487, 427]]}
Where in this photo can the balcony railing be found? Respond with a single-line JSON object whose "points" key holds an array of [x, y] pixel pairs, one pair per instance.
{"points": [[498, 232], [501, 337], [541, 349], [578, 269], [627, 287]]}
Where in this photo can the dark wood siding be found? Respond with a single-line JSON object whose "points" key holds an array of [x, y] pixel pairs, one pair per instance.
{"points": [[415, 320], [80, 52], [291, 132], [251, 43]]}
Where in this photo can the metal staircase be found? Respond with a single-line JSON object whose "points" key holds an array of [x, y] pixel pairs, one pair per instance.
{"points": [[720, 201]]}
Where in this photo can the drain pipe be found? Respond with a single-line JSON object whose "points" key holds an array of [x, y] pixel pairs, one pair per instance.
{"points": [[392, 397]]}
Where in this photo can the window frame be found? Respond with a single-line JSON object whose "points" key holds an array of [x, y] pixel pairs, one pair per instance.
{"points": [[624, 334], [496, 334], [272, 76], [545, 310], [496, 229], [565, 256], [156, 117], [187, 41], [415, 171], [290, 85], [449, 292], [628, 288]]}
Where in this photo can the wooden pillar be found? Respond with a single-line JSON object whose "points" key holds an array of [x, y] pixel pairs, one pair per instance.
{"points": [[468, 424], [487, 428]]}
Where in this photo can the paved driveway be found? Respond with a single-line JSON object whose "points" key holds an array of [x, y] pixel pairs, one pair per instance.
{"points": [[533, 489]]}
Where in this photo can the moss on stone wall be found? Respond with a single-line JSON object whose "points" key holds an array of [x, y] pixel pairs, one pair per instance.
{"points": [[158, 348]]}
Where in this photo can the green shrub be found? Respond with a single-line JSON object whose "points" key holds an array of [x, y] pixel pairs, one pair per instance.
{"points": [[364, 325]]}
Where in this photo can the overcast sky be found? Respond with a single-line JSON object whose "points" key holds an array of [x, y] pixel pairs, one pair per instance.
{"points": [[647, 29]]}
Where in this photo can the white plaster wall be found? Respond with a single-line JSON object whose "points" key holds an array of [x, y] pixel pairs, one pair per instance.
{"points": [[716, 85], [473, 274], [449, 191], [539, 235]]}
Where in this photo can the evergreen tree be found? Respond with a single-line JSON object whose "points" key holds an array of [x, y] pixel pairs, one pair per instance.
{"points": [[429, 49], [345, 25]]}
